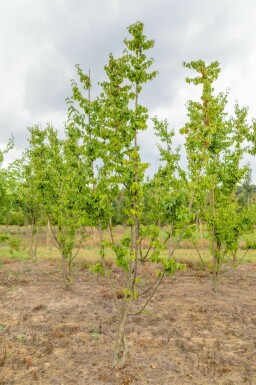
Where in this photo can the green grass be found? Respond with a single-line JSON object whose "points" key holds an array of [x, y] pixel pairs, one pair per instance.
{"points": [[90, 253], [6, 253]]}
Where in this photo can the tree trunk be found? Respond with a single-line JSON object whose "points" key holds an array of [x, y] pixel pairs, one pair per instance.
{"points": [[65, 279], [170, 244], [216, 265], [48, 236], [110, 227], [201, 232], [121, 346], [235, 256]]}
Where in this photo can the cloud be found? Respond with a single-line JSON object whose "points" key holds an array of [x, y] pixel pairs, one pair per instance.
{"points": [[41, 41]]}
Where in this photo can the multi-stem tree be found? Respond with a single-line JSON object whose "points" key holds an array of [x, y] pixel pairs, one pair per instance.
{"points": [[214, 144], [60, 187]]}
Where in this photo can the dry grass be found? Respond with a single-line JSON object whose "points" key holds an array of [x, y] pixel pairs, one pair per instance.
{"points": [[89, 252]]}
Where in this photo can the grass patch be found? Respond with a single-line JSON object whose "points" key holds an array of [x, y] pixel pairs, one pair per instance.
{"points": [[7, 255]]}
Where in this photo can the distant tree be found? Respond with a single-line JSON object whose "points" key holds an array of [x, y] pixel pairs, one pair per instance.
{"points": [[246, 189], [5, 198]]}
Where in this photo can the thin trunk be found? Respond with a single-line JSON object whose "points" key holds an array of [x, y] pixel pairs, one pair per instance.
{"points": [[197, 225], [64, 272], [31, 240], [121, 346], [135, 199], [89, 121], [111, 231], [235, 256], [214, 251], [48, 235], [215, 274], [36, 245], [170, 244], [70, 270], [201, 232]]}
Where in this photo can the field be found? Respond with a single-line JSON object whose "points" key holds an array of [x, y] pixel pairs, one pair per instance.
{"points": [[187, 335]]}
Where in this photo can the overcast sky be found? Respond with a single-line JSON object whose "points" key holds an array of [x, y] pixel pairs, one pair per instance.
{"points": [[42, 40]]}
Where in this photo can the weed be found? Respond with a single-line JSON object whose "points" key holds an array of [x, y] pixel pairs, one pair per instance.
{"points": [[147, 311], [95, 331], [97, 268], [95, 335], [85, 265], [2, 328], [14, 243], [21, 337]]}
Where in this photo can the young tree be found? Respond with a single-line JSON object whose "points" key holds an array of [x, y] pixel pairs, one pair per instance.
{"points": [[214, 144], [118, 118], [246, 190], [60, 187], [5, 199], [127, 118]]}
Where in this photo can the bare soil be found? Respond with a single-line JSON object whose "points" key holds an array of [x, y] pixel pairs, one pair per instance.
{"points": [[187, 335]]}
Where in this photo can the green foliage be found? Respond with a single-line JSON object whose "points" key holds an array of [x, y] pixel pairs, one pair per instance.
{"points": [[214, 144], [166, 195], [7, 186], [14, 243], [94, 175], [60, 189], [170, 266], [11, 241], [122, 252], [21, 337], [4, 237], [97, 268]]}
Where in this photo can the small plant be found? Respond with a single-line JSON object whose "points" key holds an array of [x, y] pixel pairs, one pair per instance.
{"points": [[97, 268], [147, 311], [14, 244], [2, 328], [84, 265], [21, 337], [95, 335], [4, 237], [95, 331]]}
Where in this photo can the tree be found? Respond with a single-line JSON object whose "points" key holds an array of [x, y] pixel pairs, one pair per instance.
{"points": [[214, 144], [5, 200], [60, 187], [246, 190], [114, 120]]}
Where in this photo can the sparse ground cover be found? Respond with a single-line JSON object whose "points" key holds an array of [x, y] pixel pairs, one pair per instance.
{"points": [[187, 334]]}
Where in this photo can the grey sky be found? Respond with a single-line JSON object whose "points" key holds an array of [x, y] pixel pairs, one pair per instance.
{"points": [[42, 40]]}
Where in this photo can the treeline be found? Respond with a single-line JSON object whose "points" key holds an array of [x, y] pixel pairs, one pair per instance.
{"points": [[94, 175], [17, 211]]}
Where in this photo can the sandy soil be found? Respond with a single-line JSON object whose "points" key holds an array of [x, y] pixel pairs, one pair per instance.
{"points": [[188, 335]]}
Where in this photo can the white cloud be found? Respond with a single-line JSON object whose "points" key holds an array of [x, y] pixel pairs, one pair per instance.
{"points": [[41, 41]]}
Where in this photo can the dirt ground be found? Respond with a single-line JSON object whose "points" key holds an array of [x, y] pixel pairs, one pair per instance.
{"points": [[187, 335]]}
